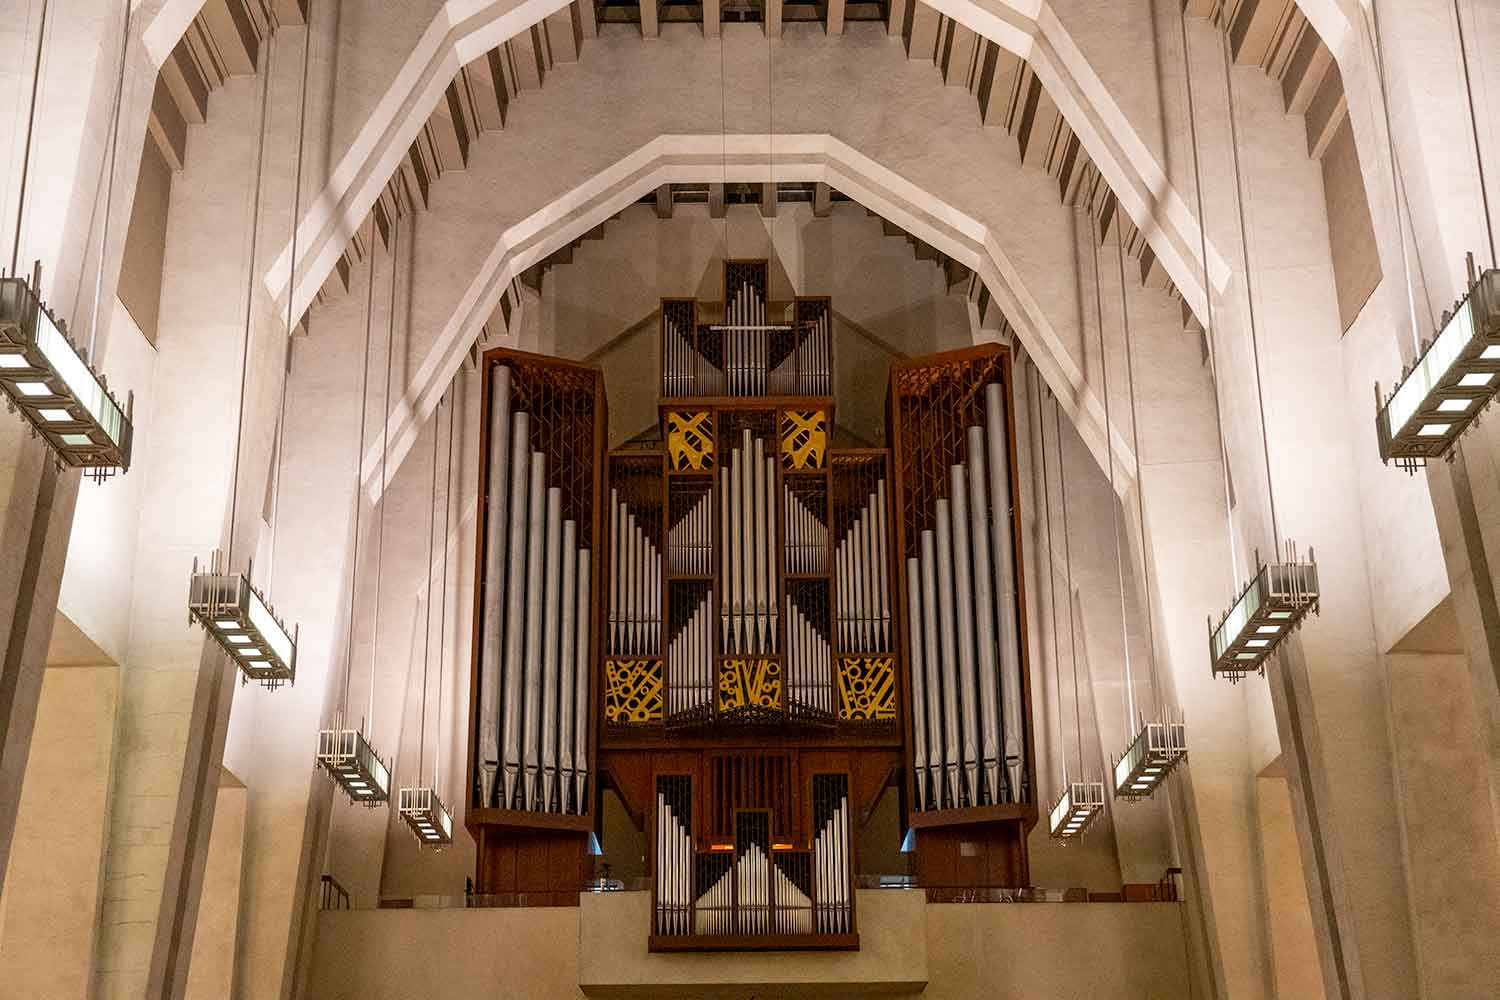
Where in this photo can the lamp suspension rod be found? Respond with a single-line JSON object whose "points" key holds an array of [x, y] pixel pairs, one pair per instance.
{"points": [[1239, 200], [427, 604], [385, 450], [1373, 23], [239, 420], [1051, 571], [359, 461], [437, 729], [286, 374], [1208, 303], [291, 290], [1484, 191], [1109, 457], [36, 85], [1135, 444], [1068, 562], [109, 186]]}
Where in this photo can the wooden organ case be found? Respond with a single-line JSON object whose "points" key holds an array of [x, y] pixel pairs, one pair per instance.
{"points": [[776, 630]]}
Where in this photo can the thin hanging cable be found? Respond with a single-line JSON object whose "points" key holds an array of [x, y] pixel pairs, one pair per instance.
{"points": [[286, 374], [1372, 24], [427, 604], [1041, 425], [1140, 475], [437, 730], [239, 420], [1484, 191], [1062, 489], [385, 449], [1239, 199], [36, 86], [1113, 496], [1208, 303], [109, 188], [359, 464]]}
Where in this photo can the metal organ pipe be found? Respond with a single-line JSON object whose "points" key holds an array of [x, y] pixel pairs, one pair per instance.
{"points": [[930, 646], [997, 434], [541, 684], [496, 525], [963, 591], [917, 683], [557, 683], [515, 609], [987, 663], [948, 642], [582, 657]]}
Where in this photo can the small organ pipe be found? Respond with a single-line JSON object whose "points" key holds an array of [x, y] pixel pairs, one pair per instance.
{"points": [[997, 434], [726, 518], [930, 668], [767, 557], [882, 557], [616, 533], [546, 739], [918, 687], [515, 607], [758, 470], [535, 555], [582, 658], [963, 591], [984, 621], [948, 642], [567, 646]]}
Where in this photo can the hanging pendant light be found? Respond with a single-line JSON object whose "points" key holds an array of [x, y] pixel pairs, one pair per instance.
{"points": [[1082, 801], [1457, 372], [420, 806], [230, 608], [344, 751], [1281, 594], [44, 375], [1159, 744]]}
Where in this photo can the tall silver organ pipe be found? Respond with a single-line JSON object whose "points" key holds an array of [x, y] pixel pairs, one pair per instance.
{"points": [[634, 586], [672, 861], [515, 609], [860, 561], [997, 433], [964, 642], [536, 554], [496, 525], [988, 663], [750, 615], [963, 612], [534, 646], [581, 682]]}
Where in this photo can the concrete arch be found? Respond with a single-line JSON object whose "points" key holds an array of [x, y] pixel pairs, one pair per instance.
{"points": [[461, 32]]}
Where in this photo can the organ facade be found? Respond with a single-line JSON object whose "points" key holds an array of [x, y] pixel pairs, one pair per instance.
{"points": [[748, 628]]}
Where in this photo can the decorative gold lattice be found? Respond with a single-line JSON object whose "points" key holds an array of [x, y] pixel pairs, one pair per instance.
{"points": [[749, 683], [632, 691], [690, 440], [804, 439], [867, 688]]}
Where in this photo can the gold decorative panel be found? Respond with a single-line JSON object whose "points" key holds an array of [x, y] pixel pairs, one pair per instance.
{"points": [[632, 691], [753, 683], [690, 440], [804, 439], [867, 688]]}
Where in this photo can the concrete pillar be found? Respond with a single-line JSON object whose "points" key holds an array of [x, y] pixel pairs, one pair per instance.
{"points": [[213, 971], [1294, 953], [50, 906]]}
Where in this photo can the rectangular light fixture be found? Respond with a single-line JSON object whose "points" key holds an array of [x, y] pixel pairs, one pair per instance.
{"points": [[1151, 756], [1081, 802], [1268, 609], [426, 815], [348, 757], [244, 626], [46, 378], [1453, 379]]}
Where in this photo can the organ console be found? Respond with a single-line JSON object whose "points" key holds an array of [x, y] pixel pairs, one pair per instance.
{"points": [[746, 631]]}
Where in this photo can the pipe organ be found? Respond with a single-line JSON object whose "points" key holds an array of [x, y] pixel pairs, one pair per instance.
{"points": [[747, 631]]}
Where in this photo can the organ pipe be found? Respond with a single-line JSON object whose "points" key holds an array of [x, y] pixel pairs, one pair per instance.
{"points": [[963, 591], [916, 679], [930, 666], [581, 677], [515, 606], [988, 665], [997, 434], [496, 524], [546, 734], [750, 616], [947, 641]]}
